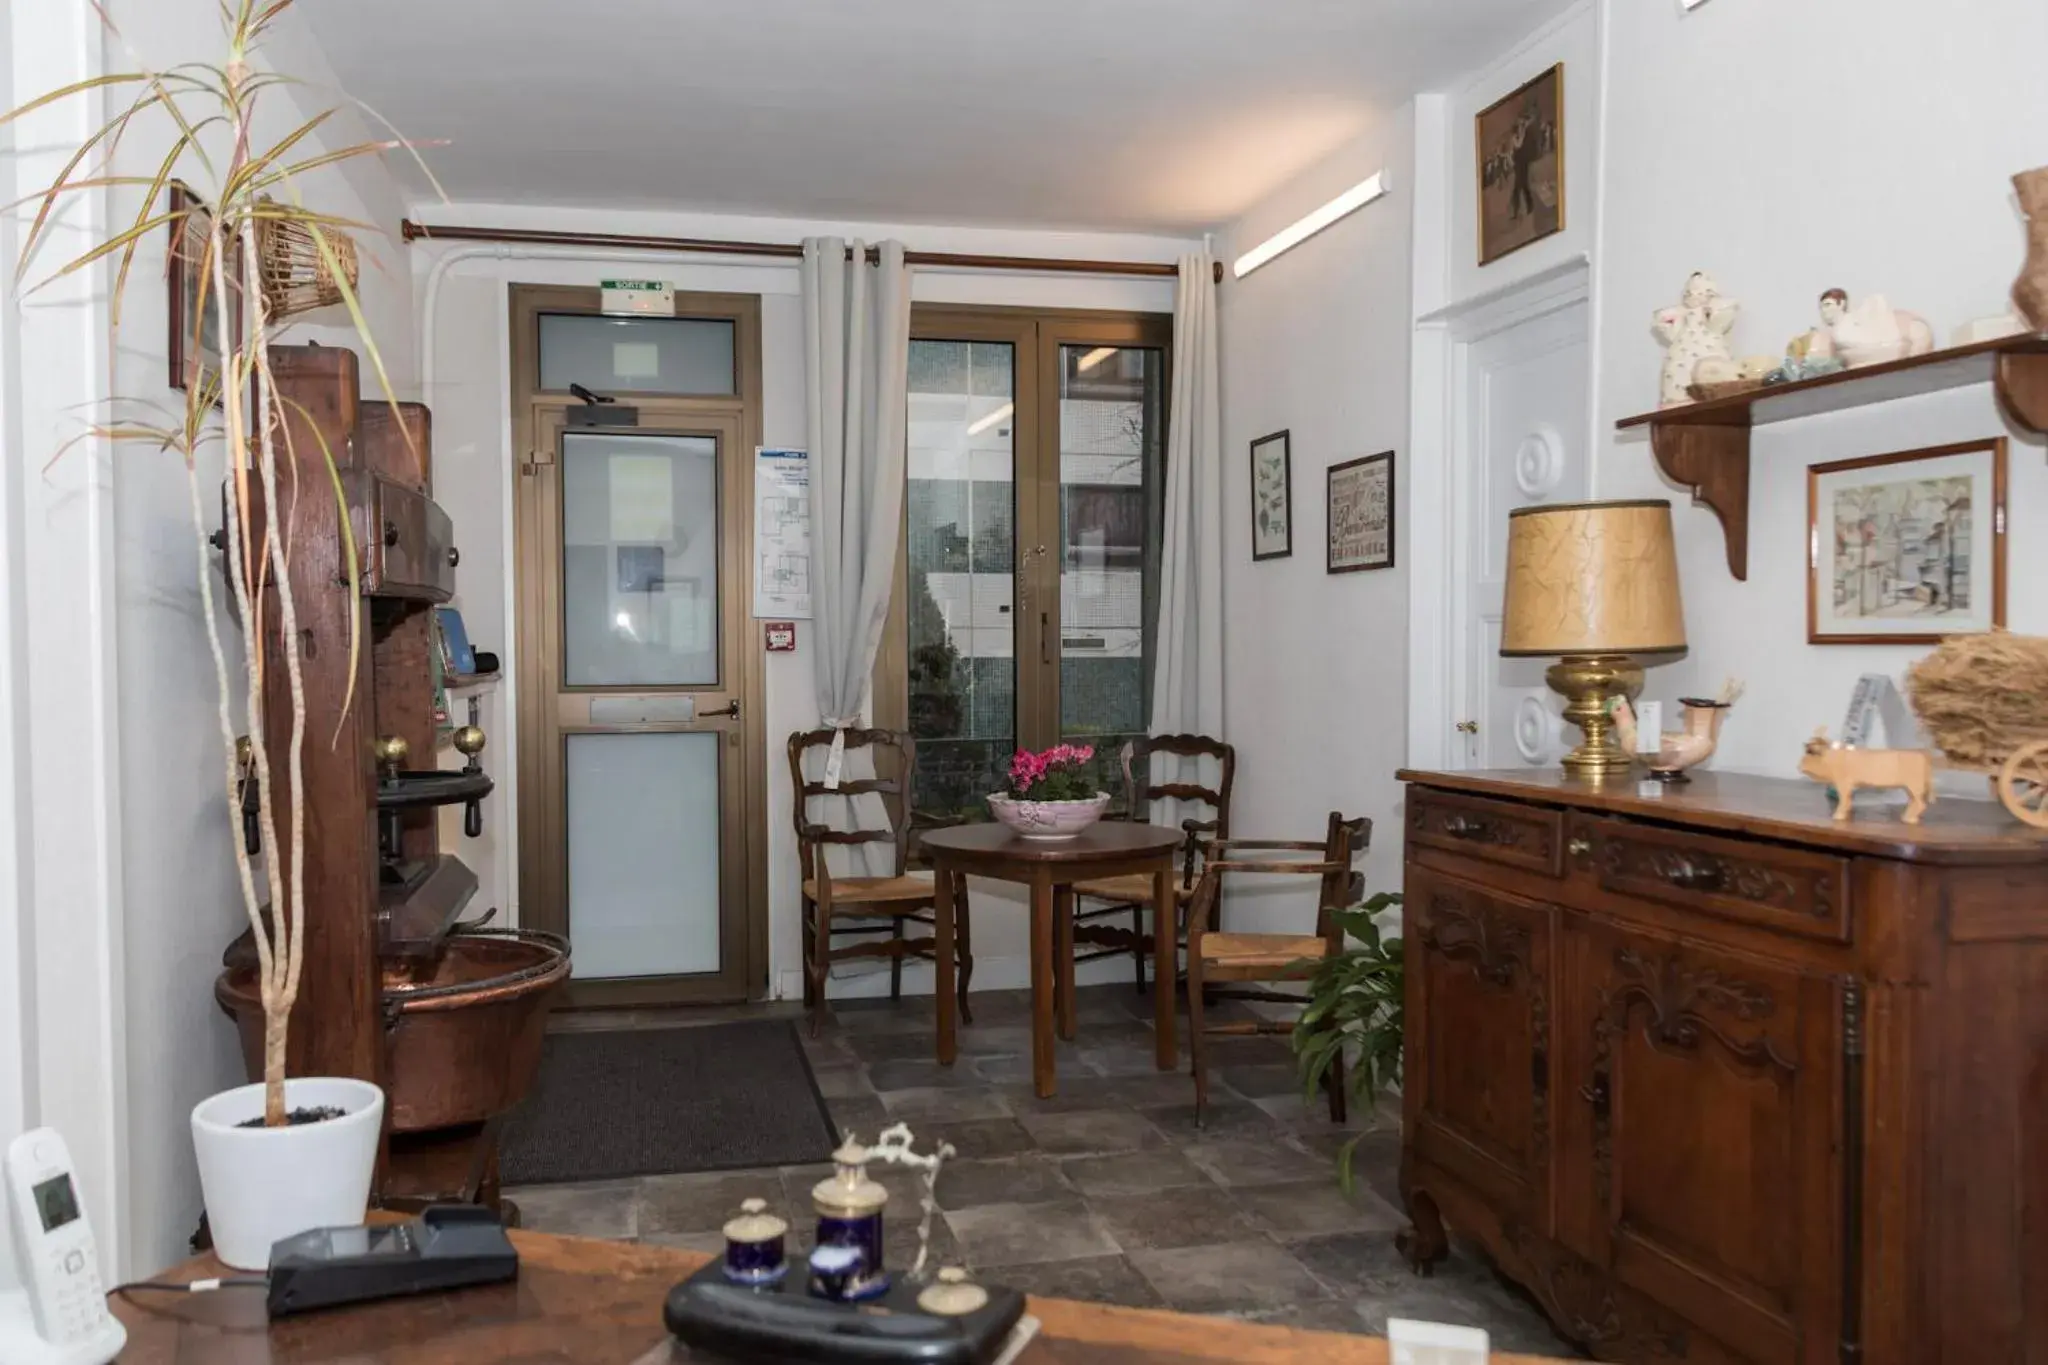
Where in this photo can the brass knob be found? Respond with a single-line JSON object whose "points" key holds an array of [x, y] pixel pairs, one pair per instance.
{"points": [[469, 740], [392, 751], [1579, 848], [245, 752], [1468, 727]]}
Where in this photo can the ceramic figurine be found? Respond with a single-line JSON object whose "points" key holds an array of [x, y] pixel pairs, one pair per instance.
{"points": [[1678, 750], [754, 1245], [1846, 769], [1695, 331], [1808, 366], [2030, 290], [1872, 332]]}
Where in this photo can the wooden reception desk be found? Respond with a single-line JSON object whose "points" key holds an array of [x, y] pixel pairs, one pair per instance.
{"points": [[599, 1303]]}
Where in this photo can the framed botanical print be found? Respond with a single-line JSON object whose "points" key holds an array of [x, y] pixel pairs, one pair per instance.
{"points": [[1520, 150], [1360, 496], [195, 310], [1906, 548], [1272, 497]]}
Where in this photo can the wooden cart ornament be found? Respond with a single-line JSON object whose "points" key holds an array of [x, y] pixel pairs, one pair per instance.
{"points": [[1984, 699]]}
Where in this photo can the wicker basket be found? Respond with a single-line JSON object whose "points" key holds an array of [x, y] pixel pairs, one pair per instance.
{"points": [[1725, 388], [296, 277]]}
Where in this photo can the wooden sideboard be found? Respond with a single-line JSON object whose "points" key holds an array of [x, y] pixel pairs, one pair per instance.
{"points": [[1719, 1079]]}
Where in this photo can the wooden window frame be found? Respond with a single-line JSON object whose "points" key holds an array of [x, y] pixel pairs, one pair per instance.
{"points": [[1036, 336]]}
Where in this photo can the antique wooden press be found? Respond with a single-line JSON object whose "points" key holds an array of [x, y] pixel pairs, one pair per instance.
{"points": [[446, 1015]]}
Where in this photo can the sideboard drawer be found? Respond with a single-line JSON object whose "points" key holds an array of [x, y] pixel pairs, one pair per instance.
{"points": [[1792, 890], [1506, 832]]}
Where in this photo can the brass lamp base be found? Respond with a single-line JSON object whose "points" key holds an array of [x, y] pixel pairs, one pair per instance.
{"points": [[1589, 683]]}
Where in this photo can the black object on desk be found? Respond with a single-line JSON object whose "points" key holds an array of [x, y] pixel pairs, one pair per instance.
{"points": [[782, 1324], [447, 1247]]}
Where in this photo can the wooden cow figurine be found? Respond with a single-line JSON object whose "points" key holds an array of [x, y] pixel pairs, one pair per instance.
{"points": [[1848, 768]]}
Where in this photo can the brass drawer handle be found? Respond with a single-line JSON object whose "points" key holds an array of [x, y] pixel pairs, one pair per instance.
{"points": [[1464, 827], [1580, 847], [1689, 874]]}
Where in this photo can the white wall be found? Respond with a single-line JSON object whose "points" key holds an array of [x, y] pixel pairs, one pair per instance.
{"points": [[1788, 149], [1315, 342], [468, 363], [1572, 39], [182, 904]]}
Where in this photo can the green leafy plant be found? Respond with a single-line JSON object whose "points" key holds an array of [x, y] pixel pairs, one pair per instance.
{"points": [[1354, 1012], [206, 116]]}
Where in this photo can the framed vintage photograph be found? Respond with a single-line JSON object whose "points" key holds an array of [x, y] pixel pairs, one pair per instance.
{"points": [[1520, 142], [195, 331], [1361, 513], [1906, 548], [1272, 497]]}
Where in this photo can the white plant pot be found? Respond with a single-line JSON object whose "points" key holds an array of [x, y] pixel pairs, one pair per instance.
{"points": [[263, 1185]]}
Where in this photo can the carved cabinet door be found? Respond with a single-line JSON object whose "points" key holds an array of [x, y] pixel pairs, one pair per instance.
{"points": [[1698, 1138], [1478, 1080]]}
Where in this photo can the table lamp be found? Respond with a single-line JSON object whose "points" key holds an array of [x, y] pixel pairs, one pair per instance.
{"points": [[1595, 583]]}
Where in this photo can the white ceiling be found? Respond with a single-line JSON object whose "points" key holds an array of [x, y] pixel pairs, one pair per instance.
{"points": [[1131, 114]]}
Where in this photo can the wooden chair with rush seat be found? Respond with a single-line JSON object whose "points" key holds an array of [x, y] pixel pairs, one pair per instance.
{"points": [[1221, 963], [1133, 895], [865, 907]]}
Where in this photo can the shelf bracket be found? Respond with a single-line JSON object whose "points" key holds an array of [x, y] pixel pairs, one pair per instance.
{"points": [[1712, 462], [2022, 383]]}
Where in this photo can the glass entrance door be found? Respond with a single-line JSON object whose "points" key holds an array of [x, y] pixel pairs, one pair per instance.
{"points": [[637, 841]]}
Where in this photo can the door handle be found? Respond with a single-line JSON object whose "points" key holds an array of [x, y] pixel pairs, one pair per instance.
{"points": [[731, 708]]}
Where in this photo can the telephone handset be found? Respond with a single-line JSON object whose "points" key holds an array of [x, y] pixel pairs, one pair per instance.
{"points": [[52, 1308]]}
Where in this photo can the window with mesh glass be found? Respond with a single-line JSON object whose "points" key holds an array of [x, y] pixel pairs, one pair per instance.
{"points": [[1036, 475]]}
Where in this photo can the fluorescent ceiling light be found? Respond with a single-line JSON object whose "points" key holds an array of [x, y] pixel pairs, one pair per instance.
{"points": [[1095, 357], [1352, 200], [1001, 414]]}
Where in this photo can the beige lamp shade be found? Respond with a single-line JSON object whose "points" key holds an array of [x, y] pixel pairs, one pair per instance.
{"points": [[1592, 578]]}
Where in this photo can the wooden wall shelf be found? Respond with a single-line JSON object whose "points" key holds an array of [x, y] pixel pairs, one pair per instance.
{"points": [[1705, 446]]}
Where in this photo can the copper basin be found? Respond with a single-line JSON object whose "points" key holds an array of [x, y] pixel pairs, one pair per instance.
{"points": [[462, 1033]]}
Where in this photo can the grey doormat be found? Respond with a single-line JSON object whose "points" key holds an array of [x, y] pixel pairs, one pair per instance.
{"points": [[623, 1102]]}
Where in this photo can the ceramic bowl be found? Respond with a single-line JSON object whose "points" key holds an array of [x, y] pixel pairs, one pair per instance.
{"points": [[1048, 819]]}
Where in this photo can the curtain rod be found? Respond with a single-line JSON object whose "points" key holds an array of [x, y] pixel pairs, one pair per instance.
{"points": [[705, 246]]}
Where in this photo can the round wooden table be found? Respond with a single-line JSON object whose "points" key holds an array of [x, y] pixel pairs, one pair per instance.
{"points": [[1049, 867]]}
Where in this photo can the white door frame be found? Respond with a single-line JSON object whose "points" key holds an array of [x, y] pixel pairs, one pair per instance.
{"points": [[1441, 484]]}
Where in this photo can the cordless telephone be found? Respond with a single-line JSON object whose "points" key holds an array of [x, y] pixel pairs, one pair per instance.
{"points": [[52, 1308]]}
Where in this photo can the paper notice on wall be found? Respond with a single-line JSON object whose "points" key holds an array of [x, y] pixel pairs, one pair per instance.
{"points": [[782, 534]]}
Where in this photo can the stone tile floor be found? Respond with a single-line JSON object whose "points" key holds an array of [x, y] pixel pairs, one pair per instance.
{"points": [[1106, 1192]]}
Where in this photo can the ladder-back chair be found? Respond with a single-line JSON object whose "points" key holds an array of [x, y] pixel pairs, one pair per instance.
{"points": [[1221, 962], [852, 906]]}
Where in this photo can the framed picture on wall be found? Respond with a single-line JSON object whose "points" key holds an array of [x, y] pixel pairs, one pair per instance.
{"points": [[1272, 497], [1360, 501], [1520, 149], [1906, 548], [194, 311]]}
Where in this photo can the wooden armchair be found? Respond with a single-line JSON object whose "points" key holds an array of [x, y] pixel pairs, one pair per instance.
{"points": [[1132, 895], [1216, 959], [852, 906]]}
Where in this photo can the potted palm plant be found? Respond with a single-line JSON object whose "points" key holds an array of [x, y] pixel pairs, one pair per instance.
{"points": [[286, 1154], [1355, 1012]]}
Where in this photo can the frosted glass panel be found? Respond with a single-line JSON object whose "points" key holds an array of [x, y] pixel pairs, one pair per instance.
{"points": [[643, 854], [639, 560], [690, 356]]}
